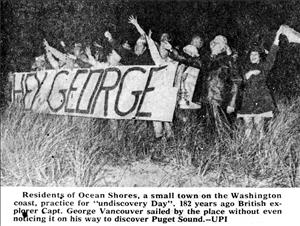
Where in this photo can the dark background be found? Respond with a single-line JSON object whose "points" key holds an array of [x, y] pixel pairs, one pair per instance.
{"points": [[24, 24]]}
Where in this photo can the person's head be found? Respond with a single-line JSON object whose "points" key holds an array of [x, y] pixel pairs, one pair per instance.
{"points": [[197, 41], [99, 55], [125, 44], [254, 57], [97, 51], [165, 37], [255, 53], [218, 45], [39, 62], [140, 46]]}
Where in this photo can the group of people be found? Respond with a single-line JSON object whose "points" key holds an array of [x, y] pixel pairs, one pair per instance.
{"points": [[219, 81]]}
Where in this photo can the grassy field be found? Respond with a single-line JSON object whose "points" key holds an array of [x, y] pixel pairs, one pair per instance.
{"points": [[49, 150]]}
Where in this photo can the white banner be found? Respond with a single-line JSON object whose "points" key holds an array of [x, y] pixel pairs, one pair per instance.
{"points": [[124, 92], [292, 35]]}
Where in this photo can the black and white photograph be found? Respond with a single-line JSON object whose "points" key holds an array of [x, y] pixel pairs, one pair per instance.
{"points": [[133, 93], [224, 113]]}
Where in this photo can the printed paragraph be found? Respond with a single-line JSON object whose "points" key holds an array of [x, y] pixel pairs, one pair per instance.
{"points": [[171, 207]]}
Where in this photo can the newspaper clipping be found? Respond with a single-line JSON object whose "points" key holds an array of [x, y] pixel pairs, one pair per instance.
{"points": [[168, 112]]}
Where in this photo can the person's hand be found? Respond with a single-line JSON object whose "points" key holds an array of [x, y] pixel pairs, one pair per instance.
{"points": [[108, 35], [70, 56], [97, 45], [229, 109], [132, 20], [126, 45], [280, 31], [235, 56], [150, 34], [228, 50], [47, 47], [62, 43], [46, 44], [48, 51], [252, 72], [88, 51], [198, 61]]}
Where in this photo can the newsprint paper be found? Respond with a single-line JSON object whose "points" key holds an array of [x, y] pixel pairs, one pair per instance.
{"points": [[169, 112]]}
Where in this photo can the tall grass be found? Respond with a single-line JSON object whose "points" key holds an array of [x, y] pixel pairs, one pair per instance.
{"points": [[49, 150]]}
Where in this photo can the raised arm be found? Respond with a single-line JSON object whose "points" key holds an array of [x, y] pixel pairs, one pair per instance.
{"points": [[151, 44], [59, 55], [111, 40], [54, 63], [91, 58], [115, 44], [187, 60], [273, 52], [154, 50], [133, 20]]}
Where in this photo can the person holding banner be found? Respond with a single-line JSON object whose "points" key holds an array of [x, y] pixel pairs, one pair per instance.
{"points": [[141, 52], [189, 78], [93, 60], [257, 103], [159, 127], [123, 49], [64, 60], [41, 63], [186, 76], [112, 58], [190, 64], [292, 35], [68, 61]]}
